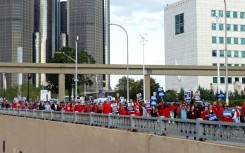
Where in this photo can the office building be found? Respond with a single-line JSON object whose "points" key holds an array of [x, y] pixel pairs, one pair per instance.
{"points": [[16, 31], [86, 19], [46, 36], [194, 35]]}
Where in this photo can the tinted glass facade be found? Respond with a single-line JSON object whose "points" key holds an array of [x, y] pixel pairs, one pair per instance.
{"points": [[179, 24], [85, 19], [16, 30]]}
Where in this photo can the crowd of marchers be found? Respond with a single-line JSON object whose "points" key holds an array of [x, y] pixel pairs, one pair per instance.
{"points": [[215, 111]]}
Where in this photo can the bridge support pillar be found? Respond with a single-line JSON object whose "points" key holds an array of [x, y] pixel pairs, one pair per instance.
{"points": [[61, 87], [147, 87]]}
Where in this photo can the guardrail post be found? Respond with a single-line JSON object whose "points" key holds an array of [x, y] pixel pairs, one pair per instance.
{"points": [[26, 113], [42, 114], [62, 116], [160, 125], [75, 117], [91, 118], [109, 120], [198, 126], [132, 122], [51, 115]]}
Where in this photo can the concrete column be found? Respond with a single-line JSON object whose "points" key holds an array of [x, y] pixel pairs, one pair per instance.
{"points": [[147, 86], [61, 87]]}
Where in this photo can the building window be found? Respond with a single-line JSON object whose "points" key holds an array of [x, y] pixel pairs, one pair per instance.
{"points": [[234, 14], [243, 65], [236, 54], [228, 40], [235, 40], [220, 13], [214, 53], [236, 79], [221, 26], [243, 80], [213, 26], [228, 14], [236, 64], [213, 13], [221, 53], [229, 80], [221, 64], [242, 15], [235, 27], [179, 24], [214, 40], [215, 80], [228, 27], [222, 80], [242, 27], [228, 65], [228, 53], [242, 53], [221, 40], [243, 41], [214, 64]]}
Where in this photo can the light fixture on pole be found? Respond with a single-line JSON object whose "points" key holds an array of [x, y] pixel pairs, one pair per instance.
{"points": [[226, 60], [127, 57], [75, 68], [143, 42]]}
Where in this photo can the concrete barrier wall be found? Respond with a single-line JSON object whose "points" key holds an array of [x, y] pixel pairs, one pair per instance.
{"points": [[40, 136]]}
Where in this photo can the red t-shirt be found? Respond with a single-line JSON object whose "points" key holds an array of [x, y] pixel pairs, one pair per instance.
{"points": [[219, 112], [106, 108], [122, 111], [243, 110], [68, 108], [78, 108]]}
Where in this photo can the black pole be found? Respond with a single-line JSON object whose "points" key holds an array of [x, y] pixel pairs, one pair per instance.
{"points": [[28, 88]]}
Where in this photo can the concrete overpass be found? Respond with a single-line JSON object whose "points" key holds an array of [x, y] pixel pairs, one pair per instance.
{"points": [[113, 69], [26, 135]]}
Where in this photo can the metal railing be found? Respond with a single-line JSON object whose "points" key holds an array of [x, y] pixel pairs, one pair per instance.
{"points": [[197, 129]]}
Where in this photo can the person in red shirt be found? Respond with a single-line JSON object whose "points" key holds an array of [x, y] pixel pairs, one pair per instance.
{"points": [[165, 111], [122, 110], [78, 108], [68, 107], [14, 105], [243, 111], [219, 111], [227, 115], [107, 107]]}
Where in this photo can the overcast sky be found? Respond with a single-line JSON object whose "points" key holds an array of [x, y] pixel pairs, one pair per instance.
{"points": [[138, 17]]}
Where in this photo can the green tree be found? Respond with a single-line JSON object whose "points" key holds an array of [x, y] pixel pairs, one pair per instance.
{"points": [[135, 87], [121, 87], [170, 95], [181, 95], [83, 58]]}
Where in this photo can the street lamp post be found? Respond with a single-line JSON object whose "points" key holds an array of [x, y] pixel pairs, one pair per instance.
{"points": [[28, 88], [76, 71], [143, 42], [127, 57], [226, 59]]}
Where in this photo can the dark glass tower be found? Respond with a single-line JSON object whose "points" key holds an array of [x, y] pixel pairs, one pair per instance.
{"points": [[46, 36], [16, 30]]}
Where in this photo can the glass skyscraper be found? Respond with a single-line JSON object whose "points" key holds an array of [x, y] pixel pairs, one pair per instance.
{"points": [[88, 20], [46, 37], [16, 30]]}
